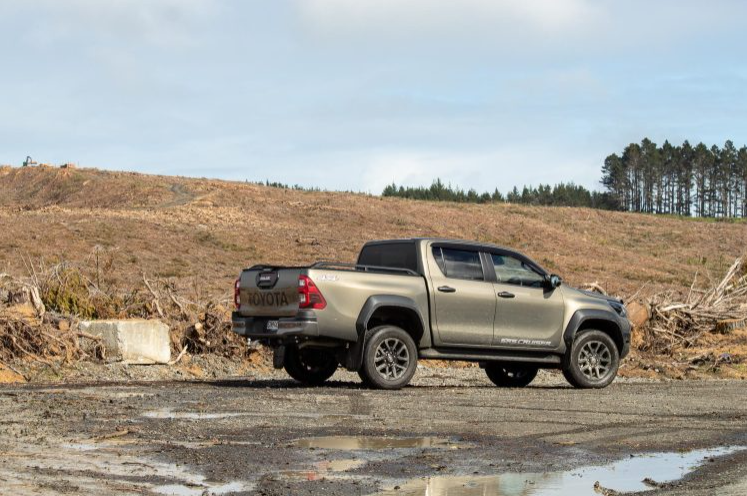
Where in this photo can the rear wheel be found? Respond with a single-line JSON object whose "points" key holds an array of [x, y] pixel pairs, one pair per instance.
{"points": [[389, 358], [310, 366], [592, 360], [510, 375]]}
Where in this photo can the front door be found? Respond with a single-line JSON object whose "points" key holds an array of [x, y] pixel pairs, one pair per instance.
{"points": [[529, 314], [463, 301]]}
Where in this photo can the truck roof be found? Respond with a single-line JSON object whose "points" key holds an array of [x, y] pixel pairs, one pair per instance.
{"points": [[457, 243], [475, 244]]}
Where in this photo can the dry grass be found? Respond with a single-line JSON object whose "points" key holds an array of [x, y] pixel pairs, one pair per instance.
{"points": [[202, 232]]}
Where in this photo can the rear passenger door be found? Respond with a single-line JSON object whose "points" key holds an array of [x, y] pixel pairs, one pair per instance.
{"points": [[463, 300]]}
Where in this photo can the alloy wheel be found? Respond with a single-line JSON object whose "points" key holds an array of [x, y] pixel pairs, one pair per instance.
{"points": [[391, 359], [595, 360]]}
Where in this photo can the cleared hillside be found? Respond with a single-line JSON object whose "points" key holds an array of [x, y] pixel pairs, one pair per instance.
{"points": [[201, 232]]}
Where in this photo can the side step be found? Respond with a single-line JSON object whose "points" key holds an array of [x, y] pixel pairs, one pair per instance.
{"points": [[470, 355]]}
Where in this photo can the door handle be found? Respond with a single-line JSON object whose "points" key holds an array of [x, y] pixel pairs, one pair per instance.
{"points": [[446, 289], [506, 294]]}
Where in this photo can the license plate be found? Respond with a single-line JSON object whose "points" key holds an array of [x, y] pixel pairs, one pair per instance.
{"points": [[272, 325]]}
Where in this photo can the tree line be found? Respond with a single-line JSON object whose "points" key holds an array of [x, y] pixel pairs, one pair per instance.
{"points": [[563, 194], [682, 180]]}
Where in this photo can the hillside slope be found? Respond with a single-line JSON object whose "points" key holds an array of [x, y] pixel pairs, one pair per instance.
{"points": [[201, 232]]}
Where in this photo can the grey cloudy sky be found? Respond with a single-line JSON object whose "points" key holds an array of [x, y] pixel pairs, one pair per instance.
{"points": [[355, 94]]}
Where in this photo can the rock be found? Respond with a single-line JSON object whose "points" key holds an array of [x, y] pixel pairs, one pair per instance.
{"points": [[132, 341]]}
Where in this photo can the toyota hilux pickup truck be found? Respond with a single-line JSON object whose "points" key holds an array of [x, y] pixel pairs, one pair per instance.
{"points": [[424, 298]]}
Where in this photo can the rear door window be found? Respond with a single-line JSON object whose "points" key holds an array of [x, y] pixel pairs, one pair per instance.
{"points": [[459, 264]]}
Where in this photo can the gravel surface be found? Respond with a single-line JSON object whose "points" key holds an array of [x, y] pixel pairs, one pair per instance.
{"points": [[451, 432]]}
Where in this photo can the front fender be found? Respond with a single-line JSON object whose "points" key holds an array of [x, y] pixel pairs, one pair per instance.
{"points": [[607, 321]]}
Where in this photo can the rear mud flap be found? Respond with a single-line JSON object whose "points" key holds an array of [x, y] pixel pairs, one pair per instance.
{"points": [[354, 356]]}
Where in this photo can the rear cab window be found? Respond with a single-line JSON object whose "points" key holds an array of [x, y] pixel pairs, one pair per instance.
{"points": [[459, 264], [401, 255]]}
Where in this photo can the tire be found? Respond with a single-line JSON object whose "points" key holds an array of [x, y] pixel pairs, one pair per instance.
{"points": [[390, 358], [569, 378], [364, 378], [310, 366], [510, 375], [592, 360]]}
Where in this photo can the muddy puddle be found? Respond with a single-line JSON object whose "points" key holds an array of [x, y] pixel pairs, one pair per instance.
{"points": [[372, 443], [199, 489], [167, 413], [622, 476], [322, 470]]}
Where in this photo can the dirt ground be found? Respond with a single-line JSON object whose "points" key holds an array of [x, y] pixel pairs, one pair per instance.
{"points": [[450, 433]]}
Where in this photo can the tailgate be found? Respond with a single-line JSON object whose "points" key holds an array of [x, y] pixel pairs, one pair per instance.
{"points": [[269, 292]]}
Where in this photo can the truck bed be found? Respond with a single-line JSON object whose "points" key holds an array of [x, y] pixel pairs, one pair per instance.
{"points": [[269, 293]]}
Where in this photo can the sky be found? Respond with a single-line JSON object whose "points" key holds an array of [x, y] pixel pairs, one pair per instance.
{"points": [[357, 94]]}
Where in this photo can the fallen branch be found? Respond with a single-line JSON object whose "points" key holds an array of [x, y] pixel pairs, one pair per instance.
{"points": [[181, 354], [594, 286], [720, 308], [155, 297], [176, 302]]}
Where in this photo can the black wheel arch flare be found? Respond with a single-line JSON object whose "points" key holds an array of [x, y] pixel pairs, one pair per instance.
{"points": [[378, 302], [600, 320]]}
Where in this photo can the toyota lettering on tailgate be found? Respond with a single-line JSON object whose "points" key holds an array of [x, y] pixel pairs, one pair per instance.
{"points": [[268, 299]]}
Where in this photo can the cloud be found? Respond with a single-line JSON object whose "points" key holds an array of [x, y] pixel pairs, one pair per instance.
{"points": [[518, 28], [161, 23], [398, 20], [417, 17]]}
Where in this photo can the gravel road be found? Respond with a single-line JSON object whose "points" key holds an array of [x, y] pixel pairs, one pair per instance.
{"points": [[450, 433]]}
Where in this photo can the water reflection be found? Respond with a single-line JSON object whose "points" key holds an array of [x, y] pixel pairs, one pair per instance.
{"points": [[624, 475]]}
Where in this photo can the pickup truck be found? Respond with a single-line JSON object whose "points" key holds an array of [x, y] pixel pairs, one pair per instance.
{"points": [[426, 298]]}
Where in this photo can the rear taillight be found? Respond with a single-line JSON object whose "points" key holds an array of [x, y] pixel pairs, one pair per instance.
{"points": [[309, 295], [236, 296]]}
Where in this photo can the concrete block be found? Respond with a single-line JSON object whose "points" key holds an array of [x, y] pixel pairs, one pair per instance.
{"points": [[132, 341]]}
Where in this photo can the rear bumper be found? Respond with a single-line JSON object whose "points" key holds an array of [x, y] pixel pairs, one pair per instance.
{"points": [[257, 327]]}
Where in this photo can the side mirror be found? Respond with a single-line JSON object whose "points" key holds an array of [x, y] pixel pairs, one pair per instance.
{"points": [[554, 281]]}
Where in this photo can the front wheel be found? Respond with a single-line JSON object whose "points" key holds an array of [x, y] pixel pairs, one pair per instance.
{"points": [[510, 375], [310, 366], [592, 360], [389, 358]]}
